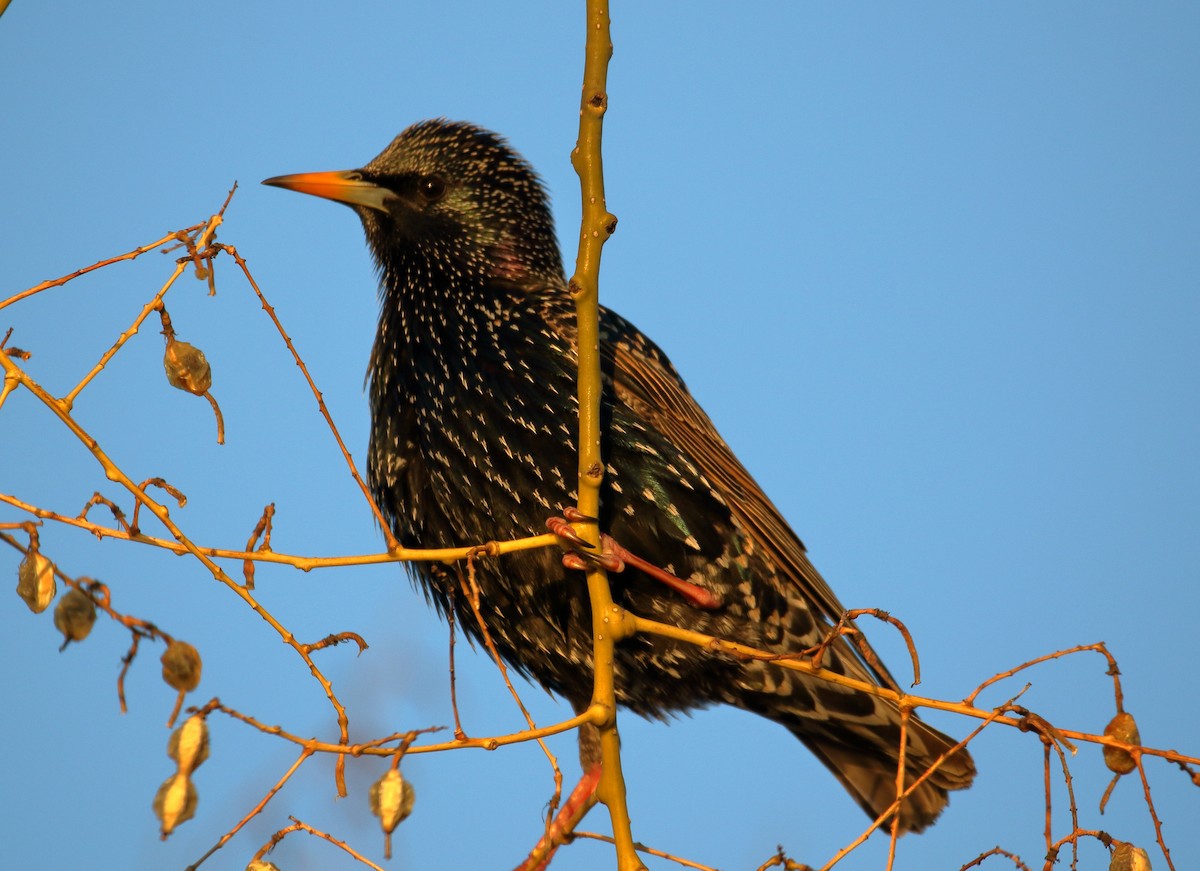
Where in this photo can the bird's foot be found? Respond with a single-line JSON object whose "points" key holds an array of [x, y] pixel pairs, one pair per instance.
{"points": [[561, 526], [578, 803], [613, 557]]}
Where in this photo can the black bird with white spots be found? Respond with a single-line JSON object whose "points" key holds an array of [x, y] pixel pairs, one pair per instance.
{"points": [[473, 403]]}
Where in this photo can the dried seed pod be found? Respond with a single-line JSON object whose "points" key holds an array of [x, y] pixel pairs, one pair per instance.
{"points": [[188, 744], [1123, 728], [175, 802], [260, 865], [1127, 857], [74, 616], [391, 799], [187, 367], [181, 666], [35, 581]]}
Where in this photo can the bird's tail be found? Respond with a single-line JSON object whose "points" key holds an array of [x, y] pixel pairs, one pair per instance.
{"points": [[865, 757]]}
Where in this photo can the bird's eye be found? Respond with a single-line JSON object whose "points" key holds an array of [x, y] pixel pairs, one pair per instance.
{"points": [[432, 188]]}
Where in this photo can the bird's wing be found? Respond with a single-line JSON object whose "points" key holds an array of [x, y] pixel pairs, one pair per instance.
{"points": [[644, 379]]}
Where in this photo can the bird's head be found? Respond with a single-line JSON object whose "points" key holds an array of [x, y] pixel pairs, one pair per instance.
{"points": [[447, 199]]}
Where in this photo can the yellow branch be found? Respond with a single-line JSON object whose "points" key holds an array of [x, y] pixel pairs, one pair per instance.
{"points": [[304, 563], [116, 475], [743, 651], [68, 401], [383, 746], [595, 228]]}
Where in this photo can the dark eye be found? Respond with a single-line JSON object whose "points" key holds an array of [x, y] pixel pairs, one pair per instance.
{"points": [[432, 187]]}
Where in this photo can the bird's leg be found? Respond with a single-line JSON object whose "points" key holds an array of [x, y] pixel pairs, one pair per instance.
{"points": [[578, 803], [613, 557]]}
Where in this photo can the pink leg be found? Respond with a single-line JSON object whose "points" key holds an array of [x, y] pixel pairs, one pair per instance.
{"points": [[613, 557], [578, 803]]}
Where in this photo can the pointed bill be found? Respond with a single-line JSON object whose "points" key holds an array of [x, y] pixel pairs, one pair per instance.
{"points": [[347, 187]]}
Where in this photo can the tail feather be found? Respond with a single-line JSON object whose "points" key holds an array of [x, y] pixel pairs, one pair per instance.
{"points": [[867, 769]]}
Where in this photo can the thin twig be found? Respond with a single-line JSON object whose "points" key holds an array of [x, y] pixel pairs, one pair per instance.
{"points": [[459, 733], [470, 589], [68, 401], [901, 765], [58, 282], [263, 529], [392, 543], [254, 811], [1098, 647], [995, 851], [375, 747], [298, 826], [303, 563], [1162, 845], [649, 851]]}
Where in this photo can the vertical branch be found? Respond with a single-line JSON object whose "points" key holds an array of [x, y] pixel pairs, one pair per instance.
{"points": [[597, 225], [595, 228]]}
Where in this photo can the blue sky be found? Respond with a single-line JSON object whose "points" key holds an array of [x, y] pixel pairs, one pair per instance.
{"points": [[931, 269]]}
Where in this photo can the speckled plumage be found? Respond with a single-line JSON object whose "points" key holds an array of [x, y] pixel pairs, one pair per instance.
{"points": [[472, 392]]}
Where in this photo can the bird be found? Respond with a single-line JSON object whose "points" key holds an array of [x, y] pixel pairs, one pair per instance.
{"points": [[472, 392]]}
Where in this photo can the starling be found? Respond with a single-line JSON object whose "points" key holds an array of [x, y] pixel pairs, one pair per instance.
{"points": [[472, 386]]}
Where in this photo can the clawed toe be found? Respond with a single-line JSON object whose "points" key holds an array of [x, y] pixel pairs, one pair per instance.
{"points": [[613, 557]]}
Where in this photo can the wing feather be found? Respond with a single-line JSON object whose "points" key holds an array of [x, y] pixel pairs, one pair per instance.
{"points": [[644, 380]]}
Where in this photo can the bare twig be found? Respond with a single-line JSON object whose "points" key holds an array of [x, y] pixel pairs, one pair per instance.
{"points": [[995, 851], [1162, 845], [303, 563], [58, 282], [392, 543], [298, 826]]}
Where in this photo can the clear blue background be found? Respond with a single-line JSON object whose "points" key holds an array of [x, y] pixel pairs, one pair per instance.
{"points": [[931, 267]]}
